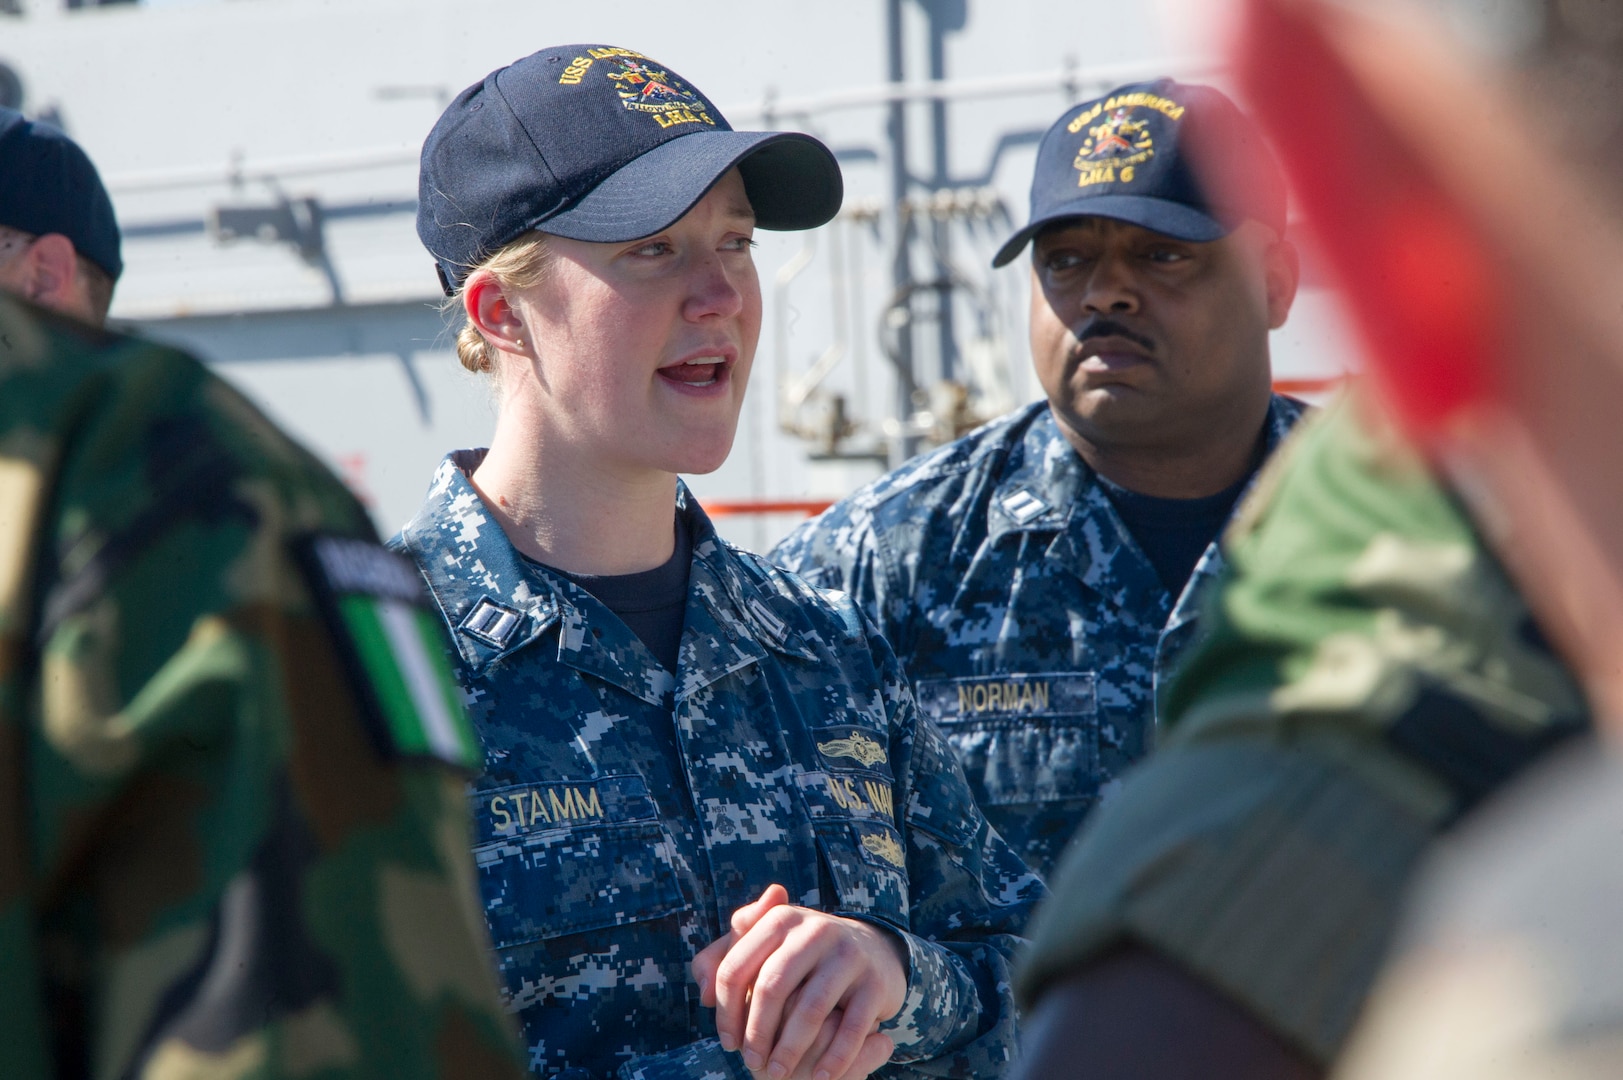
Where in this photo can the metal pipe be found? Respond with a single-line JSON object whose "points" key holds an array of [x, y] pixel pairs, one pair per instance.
{"points": [[780, 320], [901, 269], [267, 170], [941, 180], [859, 322], [1068, 80]]}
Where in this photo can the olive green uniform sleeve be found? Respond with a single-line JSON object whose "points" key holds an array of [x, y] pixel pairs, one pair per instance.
{"points": [[210, 865], [1368, 674]]}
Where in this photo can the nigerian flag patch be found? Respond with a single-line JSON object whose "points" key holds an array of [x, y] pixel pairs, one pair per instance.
{"points": [[377, 607]]}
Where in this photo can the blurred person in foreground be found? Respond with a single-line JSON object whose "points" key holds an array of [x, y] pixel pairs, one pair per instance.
{"points": [[1510, 963], [1378, 675], [714, 835], [233, 840], [1039, 577], [1507, 965], [59, 241], [1369, 676]]}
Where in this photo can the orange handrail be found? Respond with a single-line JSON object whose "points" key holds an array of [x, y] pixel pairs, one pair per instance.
{"points": [[1308, 386], [767, 506], [810, 507]]}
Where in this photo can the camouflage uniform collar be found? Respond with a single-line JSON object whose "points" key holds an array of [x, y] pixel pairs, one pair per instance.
{"points": [[1050, 489], [1049, 480], [1046, 482], [1283, 412], [1050, 492], [497, 603], [741, 604], [487, 593]]}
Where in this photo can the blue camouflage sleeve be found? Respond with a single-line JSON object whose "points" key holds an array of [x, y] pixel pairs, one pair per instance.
{"points": [[970, 896], [701, 1060], [839, 549]]}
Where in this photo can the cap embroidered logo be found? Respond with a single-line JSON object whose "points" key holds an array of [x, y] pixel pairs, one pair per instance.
{"points": [[1131, 156], [644, 88], [1114, 149]]}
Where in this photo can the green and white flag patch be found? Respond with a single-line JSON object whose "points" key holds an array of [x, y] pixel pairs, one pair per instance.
{"points": [[375, 602]]}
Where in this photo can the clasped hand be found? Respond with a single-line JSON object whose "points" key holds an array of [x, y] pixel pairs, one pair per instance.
{"points": [[802, 993]]}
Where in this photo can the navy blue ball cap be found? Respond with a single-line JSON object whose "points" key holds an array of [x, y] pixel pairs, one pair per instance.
{"points": [[1180, 160], [48, 185], [598, 143]]}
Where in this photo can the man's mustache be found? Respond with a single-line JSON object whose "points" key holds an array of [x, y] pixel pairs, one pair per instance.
{"points": [[1098, 326]]}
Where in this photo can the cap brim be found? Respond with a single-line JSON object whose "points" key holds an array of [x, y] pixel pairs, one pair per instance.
{"points": [[792, 180], [1158, 215]]}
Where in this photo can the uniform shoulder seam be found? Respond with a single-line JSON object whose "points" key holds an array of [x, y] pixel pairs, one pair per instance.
{"points": [[991, 440]]}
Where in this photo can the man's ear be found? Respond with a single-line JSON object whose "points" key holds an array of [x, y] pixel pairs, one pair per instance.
{"points": [[490, 311], [50, 271], [1282, 274]]}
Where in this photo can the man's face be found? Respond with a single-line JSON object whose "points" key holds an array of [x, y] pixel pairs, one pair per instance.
{"points": [[1149, 343]]}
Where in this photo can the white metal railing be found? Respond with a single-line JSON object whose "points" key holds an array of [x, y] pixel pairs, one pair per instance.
{"points": [[1071, 79]]}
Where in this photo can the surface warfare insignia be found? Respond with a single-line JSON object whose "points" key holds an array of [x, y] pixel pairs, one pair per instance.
{"points": [[885, 847], [375, 605], [859, 748]]}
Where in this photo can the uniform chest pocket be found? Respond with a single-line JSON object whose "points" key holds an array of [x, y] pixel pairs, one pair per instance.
{"points": [[866, 865], [852, 805], [564, 857], [1021, 738]]}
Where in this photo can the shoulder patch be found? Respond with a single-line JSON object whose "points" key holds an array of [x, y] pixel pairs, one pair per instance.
{"points": [[376, 606]]}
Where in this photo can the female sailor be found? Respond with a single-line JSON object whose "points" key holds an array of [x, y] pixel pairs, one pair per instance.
{"points": [[706, 786]]}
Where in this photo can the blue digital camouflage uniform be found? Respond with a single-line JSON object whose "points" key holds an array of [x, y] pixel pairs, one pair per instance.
{"points": [[1034, 628], [625, 813]]}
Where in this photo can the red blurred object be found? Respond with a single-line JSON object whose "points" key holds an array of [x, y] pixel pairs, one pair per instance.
{"points": [[1421, 282], [1482, 267]]}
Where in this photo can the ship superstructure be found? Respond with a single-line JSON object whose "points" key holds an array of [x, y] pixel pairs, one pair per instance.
{"points": [[262, 157]]}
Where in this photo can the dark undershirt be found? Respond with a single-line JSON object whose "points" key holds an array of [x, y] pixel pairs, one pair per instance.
{"points": [[1174, 533], [653, 604], [650, 602]]}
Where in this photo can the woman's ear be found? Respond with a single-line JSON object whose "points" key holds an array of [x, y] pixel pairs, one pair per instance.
{"points": [[495, 317]]}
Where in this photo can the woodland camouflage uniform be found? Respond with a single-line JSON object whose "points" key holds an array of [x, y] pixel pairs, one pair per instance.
{"points": [[215, 858]]}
